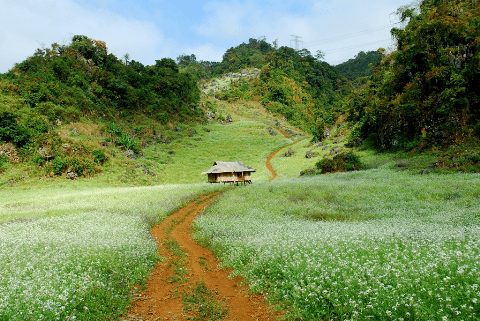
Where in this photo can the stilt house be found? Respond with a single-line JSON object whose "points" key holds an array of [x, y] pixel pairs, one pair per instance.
{"points": [[229, 172]]}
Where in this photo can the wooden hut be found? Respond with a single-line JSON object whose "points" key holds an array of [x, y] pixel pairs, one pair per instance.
{"points": [[229, 172]]}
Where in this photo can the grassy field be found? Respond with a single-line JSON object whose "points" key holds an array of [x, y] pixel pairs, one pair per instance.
{"points": [[75, 252], [74, 249], [245, 139], [384, 244], [381, 244]]}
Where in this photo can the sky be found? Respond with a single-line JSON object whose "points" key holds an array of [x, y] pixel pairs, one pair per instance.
{"points": [[153, 29]]}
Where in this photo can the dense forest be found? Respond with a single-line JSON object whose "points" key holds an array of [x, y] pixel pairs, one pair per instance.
{"points": [[427, 92], [82, 81], [360, 66]]}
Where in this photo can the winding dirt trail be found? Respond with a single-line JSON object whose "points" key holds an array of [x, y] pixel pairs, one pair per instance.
{"points": [[163, 296], [268, 161]]}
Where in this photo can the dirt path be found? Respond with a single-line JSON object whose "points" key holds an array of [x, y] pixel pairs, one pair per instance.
{"points": [[268, 161], [186, 266]]}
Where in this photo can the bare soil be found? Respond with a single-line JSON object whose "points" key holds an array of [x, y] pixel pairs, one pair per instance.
{"points": [[162, 298], [268, 163]]}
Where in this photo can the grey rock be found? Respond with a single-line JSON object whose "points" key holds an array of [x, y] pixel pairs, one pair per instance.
{"points": [[130, 154], [45, 153], [72, 175], [271, 131], [311, 154], [148, 171], [210, 115], [290, 152]]}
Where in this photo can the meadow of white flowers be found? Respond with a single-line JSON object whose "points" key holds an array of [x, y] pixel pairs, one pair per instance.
{"points": [[81, 258], [403, 246]]}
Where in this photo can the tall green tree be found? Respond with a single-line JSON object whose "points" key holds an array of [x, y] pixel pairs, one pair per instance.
{"points": [[428, 90]]}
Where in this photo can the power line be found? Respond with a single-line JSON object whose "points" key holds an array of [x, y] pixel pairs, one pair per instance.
{"points": [[296, 40], [350, 35], [356, 46]]}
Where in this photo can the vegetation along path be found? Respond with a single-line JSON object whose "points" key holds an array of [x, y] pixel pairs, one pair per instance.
{"points": [[188, 285], [268, 161]]}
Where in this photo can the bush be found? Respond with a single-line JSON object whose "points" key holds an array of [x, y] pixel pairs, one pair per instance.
{"points": [[82, 166], [3, 163], [99, 156], [59, 165], [318, 131], [343, 162], [128, 142]]}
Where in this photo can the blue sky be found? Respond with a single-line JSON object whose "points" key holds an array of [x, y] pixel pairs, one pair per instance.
{"points": [[152, 29]]}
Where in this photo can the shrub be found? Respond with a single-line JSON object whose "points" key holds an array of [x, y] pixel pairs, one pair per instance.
{"points": [[3, 162], [99, 156], [318, 131], [343, 162], [309, 172], [128, 142], [114, 129], [58, 165], [81, 166]]}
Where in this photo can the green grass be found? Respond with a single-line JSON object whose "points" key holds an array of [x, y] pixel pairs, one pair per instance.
{"points": [[76, 252], [201, 304], [246, 140], [179, 264], [382, 244]]}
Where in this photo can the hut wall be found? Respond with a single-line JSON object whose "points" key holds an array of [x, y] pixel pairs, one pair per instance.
{"points": [[229, 177], [212, 178]]}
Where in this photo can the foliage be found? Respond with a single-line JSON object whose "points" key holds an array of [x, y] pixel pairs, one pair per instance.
{"points": [[99, 156], [62, 84], [343, 162], [378, 244], [246, 55], [426, 92], [3, 162], [295, 84], [198, 69], [361, 65], [460, 158], [21, 126]]}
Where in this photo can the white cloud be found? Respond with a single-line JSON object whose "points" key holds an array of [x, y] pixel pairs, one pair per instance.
{"points": [[30, 24], [339, 28], [207, 52], [334, 26]]}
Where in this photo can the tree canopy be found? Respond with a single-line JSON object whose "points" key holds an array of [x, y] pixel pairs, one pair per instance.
{"points": [[62, 83], [428, 90]]}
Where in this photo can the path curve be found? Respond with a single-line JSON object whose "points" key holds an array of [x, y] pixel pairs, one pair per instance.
{"points": [[162, 299], [268, 161]]}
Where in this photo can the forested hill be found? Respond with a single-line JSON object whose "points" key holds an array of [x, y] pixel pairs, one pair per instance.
{"points": [[82, 82], [427, 92], [81, 78], [295, 83], [360, 66]]}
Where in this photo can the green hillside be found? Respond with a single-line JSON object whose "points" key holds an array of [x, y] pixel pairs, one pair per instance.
{"points": [[360, 66], [121, 103]]}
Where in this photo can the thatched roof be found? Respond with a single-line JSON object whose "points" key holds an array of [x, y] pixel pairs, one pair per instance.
{"points": [[228, 167]]}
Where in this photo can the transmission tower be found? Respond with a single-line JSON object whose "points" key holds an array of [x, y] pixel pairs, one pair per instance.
{"points": [[296, 40]]}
